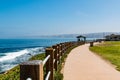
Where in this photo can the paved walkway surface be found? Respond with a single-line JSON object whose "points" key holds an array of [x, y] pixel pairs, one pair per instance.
{"points": [[82, 64]]}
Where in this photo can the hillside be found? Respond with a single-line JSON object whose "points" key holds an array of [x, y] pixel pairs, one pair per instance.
{"points": [[88, 35]]}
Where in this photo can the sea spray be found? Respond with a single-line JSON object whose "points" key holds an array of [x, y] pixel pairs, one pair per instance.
{"points": [[14, 58]]}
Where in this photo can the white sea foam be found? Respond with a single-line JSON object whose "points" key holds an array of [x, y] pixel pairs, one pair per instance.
{"points": [[13, 55], [13, 58]]}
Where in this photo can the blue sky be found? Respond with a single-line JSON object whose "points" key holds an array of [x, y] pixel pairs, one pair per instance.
{"points": [[19, 18]]}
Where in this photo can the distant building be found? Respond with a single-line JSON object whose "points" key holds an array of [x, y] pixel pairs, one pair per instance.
{"points": [[81, 38], [112, 37]]}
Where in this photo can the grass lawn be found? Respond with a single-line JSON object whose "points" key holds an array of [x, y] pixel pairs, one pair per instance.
{"points": [[110, 51]]}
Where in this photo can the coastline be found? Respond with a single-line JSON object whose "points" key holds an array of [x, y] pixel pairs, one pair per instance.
{"points": [[16, 60], [15, 51], [14, 73]]}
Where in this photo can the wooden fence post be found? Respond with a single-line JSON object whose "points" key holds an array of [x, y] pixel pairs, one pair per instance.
{"points": [[61, 48], [49, 64], [58, 52], [31, 70], [91, 44], [65, 46], [55, 56]]}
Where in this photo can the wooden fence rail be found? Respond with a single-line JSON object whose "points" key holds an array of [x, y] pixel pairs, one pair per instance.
{"points": [[33, 70]]}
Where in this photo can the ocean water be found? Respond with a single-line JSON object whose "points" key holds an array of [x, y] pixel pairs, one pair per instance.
{"points": [[15, 51]]}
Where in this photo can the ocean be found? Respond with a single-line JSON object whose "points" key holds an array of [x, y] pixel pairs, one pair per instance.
{"points": [[16, 51]]}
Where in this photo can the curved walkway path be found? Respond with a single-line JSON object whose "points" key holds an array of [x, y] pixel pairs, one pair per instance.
{"points": [[82, 64]]}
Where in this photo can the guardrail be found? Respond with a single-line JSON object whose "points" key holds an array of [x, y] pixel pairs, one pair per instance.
{"points": [[33, 70]]}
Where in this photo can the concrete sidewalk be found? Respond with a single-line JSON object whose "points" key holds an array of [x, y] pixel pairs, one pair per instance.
{"points": [[81, 64]]}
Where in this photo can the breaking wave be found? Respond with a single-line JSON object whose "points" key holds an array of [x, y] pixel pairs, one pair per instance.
{"points": [[11, 59]]}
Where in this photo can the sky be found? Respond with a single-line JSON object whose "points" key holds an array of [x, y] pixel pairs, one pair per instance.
{"points": [[21, 18]]}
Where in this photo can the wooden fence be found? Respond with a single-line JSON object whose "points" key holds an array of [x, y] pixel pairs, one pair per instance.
{"points": [[33, 70]]}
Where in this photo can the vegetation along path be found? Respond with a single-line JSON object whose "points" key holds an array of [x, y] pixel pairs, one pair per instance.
{"points": [[82, 64]]}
